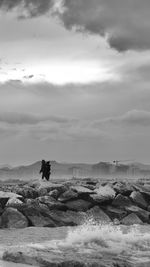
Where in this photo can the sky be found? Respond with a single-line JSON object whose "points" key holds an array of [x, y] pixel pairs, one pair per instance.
{"points": [[74, 80]]}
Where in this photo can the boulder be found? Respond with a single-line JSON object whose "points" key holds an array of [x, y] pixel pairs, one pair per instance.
{"points": [[13, 202], [78, 205], [141, 213], [51, 203], [123, 188], [54, 193], [41, 221], [68, 218], [12, 218], [131, 219], [138, 199], [51, 186], [121, 201], [37, 214], [42, 192], [97, 215], [115, 213], [103, 194], [145, 190], [68, 195], [81, 189], [27, 192], [5, 196]]}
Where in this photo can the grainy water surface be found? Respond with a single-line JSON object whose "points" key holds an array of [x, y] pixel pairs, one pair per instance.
{"points": [[126, 242]]}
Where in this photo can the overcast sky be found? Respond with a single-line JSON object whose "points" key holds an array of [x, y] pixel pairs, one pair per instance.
{"points": [[74, 80]]}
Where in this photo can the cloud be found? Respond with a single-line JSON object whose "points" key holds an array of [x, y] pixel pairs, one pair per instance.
{"points": [[125, 24], [32, 8], [130, 118], [24, 118]]}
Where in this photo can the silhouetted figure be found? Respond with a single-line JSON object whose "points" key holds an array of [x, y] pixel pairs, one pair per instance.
{"points": [[48, 170], [43, 168]]}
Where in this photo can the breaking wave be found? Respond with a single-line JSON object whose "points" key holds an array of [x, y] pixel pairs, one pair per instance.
{"points": [[126, 241]]}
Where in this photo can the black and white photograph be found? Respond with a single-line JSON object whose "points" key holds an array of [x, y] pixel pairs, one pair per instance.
{"points": [[75, 133]]}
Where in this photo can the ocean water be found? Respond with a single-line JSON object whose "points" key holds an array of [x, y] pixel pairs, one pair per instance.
{"points": [[105, 240]]}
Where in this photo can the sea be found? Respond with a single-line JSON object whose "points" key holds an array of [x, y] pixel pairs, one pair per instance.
{"points": [[91, 240]]}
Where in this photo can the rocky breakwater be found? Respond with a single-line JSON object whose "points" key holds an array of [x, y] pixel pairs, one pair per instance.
{"points": [[74, 202]]}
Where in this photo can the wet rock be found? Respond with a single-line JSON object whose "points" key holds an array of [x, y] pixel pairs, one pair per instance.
{"points": [[5, 196], [131, 219], [121, 201], [145, 190], [52, 186], [42, 192], [27, 192], [114, 212], [12, 218], [68, 218], [13, 202], [97, 215], [54, 193], [68, 195], [78, 205], [52, 203], [103, 194], [138, 199], [41, 221], [123, 188], [141, 213], [37, 214], [81, 190]]}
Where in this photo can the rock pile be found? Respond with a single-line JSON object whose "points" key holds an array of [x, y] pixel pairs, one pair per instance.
{"points": [[73, 202]]}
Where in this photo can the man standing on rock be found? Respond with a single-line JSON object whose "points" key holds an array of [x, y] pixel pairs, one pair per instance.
{"points": [[45, 169]]}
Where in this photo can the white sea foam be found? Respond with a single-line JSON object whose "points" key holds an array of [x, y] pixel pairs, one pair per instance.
{"points": [[133, 242]]}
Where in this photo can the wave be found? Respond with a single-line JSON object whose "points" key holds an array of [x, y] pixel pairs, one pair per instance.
{"points": [[128, 242]]}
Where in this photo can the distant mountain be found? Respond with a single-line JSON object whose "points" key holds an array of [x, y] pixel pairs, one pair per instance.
{"points": [[77, 170]]}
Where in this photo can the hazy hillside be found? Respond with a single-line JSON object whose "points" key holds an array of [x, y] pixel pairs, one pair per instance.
{"points": [[78, 170]]}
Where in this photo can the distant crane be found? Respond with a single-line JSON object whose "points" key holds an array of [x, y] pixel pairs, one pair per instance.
{"points": [[117, 161]]}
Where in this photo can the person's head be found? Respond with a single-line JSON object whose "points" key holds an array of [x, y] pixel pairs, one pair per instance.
{"points": [[43, 161]]}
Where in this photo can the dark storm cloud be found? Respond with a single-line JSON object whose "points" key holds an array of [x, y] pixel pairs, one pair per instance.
{"points": [[32, 7], [125, 24]]}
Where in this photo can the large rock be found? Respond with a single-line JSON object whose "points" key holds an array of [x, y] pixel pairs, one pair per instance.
{"points": [[121, 201], [103, 194], [78, 205], [97, 215], [52, 186], [81, 189], [41, 221], [52, 203], [27, 192], [123, 188], [5, 196], [42, 192], [68, 218], [13, 202], [115, 213], [141, 213], [37, 214], [68, 195], [54, 193], [138, 199], [131, 219], [145, 190], [12, 218]]}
